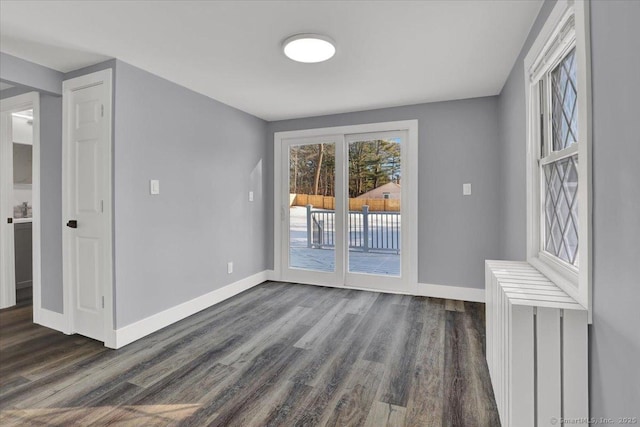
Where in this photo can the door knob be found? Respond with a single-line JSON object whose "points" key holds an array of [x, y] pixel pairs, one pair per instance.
{"points": [[72, 224]]}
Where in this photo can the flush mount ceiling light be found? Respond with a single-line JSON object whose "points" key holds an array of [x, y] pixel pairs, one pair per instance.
{"points": [[309, 48]]}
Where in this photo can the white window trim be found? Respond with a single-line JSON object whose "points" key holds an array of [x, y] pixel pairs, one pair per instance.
{"points": [[546, 51]]}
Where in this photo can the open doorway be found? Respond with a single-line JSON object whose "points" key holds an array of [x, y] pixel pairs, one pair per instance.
{"points": [[22, 131], [19, 202]]}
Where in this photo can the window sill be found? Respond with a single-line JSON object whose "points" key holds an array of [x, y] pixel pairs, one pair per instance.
{"points": [[565, 281]]}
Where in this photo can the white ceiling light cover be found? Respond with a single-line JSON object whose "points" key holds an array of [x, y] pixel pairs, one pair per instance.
{"points": [[309, 48]]}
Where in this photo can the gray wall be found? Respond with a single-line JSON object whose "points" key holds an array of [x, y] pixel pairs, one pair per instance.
{"points": [[614, 337], [15, 91], [22, 164], [512, 122], [458, 143], [24, 73], [175, 246], [29, 76], [51, 201]]}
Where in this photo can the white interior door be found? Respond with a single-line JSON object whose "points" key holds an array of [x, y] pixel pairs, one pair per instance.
{"points": [[87, 187]]}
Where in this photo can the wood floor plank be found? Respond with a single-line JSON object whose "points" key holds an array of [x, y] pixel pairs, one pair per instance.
{"points": [[38, 390], [401, 362], [333, 317], [279, 354], [318, 360], [477, 371], [454, 379], [81, 378], [366, 328], [426, 397], [97, 409], [454, 305], [138, 363], [193, 347], [266, 337], [287, 400], [354, 404], [244, 408], [468, 401], [362, 302], [226, 403], [274, 407], [332, 379], [386, 415], [261, 318], [380, 345]]}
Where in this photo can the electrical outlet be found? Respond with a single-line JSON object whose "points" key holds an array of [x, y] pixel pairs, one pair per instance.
{"points": [[466, 189], [229, 267]]}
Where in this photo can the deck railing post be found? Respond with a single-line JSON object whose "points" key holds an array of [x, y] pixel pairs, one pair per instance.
{"points": [[309, 230], [365, 228]]}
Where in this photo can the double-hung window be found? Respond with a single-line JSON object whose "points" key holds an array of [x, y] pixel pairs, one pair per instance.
{"points": [[558, 146]]}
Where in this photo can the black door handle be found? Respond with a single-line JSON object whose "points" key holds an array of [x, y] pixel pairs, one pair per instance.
{"points": [[72, 224]]}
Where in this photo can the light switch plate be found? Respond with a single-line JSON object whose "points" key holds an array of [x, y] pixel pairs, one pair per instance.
{"points": [[154, 186], [466, 189], [251, 196]]}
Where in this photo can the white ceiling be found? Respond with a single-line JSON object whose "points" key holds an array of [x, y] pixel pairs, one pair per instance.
{"points": [[389, 52]]}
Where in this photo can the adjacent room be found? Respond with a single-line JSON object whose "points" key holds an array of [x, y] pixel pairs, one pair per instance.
{"points": [[319, 213]]}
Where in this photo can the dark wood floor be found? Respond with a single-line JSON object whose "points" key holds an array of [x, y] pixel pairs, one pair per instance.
{"points": [[278, 354]]}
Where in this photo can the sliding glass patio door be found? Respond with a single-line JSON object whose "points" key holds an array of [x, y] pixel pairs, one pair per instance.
{"points": [[343, 198], [313, 250], [374, 218]]}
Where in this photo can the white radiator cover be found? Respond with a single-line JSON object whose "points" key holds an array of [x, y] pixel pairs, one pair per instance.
{"points": [[536, 348]]}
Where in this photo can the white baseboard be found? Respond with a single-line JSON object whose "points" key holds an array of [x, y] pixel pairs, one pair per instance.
{"points": [[52, 320], [146, 326], [271, 275], [462, 293]]}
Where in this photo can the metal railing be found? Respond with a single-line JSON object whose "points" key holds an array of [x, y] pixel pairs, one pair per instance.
{"points": [[368, 231]]}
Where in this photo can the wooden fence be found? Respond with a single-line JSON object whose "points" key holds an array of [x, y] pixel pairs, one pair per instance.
{"points": [[325, 202]]}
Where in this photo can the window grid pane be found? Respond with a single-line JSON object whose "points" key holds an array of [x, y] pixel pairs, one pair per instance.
{"points": [[561, 209], [564, 103]]}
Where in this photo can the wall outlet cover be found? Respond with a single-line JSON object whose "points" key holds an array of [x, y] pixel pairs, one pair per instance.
{"points": [[154, 186]]}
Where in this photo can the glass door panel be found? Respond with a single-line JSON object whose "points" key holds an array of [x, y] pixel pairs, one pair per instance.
{"points": [[312, 201], [375, 205]]}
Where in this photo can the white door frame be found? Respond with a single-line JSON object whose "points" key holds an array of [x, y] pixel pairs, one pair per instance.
{"points": [[409, 278], [14, 104], [103, 77]]}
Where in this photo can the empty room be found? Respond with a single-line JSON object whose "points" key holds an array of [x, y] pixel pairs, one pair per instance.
{"points": [[319, 213]]}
